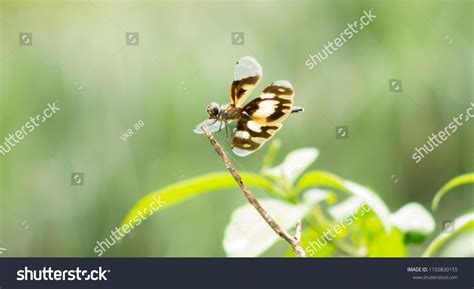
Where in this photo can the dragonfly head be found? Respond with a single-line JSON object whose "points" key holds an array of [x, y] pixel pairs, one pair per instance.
{"points": [[213, 109]]}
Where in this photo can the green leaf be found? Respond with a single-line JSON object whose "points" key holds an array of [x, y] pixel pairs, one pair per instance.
{"points": [[320, 179], [178, 192], [367, 196], [461, 246], [387, 245], [295, 163], [379, 242], [314, 245], [362, 196], [462, 224], [453, 183], [414, 221], [248, 235], [314, 196]]}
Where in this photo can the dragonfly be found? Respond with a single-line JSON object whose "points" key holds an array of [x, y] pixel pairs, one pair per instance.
{"points": [[257, 120]]}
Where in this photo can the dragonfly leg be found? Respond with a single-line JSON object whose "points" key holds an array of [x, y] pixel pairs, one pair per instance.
{"points": [[220, 126], [227, 129]]}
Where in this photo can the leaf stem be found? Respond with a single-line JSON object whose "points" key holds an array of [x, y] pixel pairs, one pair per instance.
{"points": [[294, 241]]}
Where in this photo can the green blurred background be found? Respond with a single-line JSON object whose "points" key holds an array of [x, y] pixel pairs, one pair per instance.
{"points": [[185, 60]]}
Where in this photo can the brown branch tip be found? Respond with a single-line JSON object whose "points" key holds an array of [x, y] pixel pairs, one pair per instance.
{"points": [[294, 241]]}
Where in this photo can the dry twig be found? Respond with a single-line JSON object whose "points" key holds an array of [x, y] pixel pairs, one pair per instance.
{"points": [[294, 241]]}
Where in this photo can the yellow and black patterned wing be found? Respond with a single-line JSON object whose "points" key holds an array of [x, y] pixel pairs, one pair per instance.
{"points": [[247, 75], [263, 117]]}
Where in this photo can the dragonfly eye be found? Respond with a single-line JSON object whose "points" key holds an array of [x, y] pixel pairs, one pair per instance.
{"points": [[213, 109]]}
